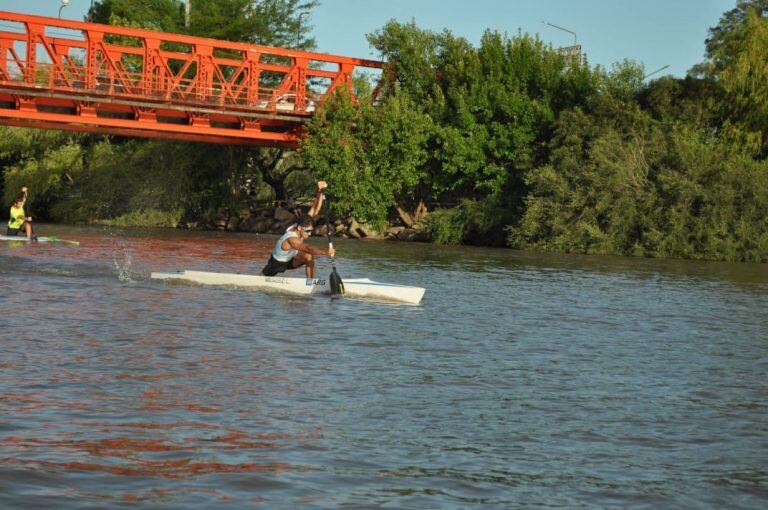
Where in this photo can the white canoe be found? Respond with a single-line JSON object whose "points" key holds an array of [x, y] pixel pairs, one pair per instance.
{"points": [[39, 240], [353, 287]]}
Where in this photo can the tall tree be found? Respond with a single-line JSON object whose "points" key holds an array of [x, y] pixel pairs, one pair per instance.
{"points": [[268, 22], [373, 155], [731, 22], [736, 49], [162, 15], [739, 62]]}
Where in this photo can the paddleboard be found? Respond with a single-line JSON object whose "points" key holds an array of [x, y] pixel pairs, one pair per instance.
{"points": [[40, 239]]}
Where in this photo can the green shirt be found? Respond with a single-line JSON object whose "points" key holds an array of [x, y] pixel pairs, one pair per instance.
{"points": [[17, 217]]}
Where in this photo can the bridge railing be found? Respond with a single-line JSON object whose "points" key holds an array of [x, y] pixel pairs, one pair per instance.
{"points": [[130, 85]]}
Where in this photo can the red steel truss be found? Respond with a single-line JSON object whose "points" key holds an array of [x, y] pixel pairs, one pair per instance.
{"points": [[78, 76]]}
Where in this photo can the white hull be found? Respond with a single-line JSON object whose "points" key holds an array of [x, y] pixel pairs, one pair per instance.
{"points": [[23, 238], [353, 287]]}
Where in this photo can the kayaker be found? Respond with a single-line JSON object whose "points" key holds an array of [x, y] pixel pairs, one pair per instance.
{"points": [[290, 251], [19, 220]]}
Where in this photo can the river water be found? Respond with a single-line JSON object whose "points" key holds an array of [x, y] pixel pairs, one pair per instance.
{"points": [[521, 381]]}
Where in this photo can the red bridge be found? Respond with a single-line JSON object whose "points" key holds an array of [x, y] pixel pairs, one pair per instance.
{"points": [[78, 76]]}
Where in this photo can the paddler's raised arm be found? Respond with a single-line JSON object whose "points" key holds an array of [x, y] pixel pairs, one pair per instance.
{"points": [[318, 202]]}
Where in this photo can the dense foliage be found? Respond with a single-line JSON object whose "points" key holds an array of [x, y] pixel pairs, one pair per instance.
{"points": [[507, 142], [564, 156], [381, 163]]}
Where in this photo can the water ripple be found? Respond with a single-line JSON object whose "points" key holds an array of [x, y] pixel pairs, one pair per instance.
{"points": [[522, 381]]}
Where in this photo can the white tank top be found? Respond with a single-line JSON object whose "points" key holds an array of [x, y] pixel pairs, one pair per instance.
{"points": [[279, 253]]}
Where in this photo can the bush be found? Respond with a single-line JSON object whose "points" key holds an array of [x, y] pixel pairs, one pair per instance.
{"points": [[471, 222], [645, 188], [145, 218]]}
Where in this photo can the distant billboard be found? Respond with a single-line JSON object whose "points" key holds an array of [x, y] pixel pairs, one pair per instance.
{"points": [[570, 51]]}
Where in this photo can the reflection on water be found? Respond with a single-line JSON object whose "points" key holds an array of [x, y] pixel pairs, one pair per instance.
{"points": [[522, 381]]}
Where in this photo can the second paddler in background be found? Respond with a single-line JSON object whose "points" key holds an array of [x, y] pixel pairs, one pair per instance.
{"points": [[19, 220]]}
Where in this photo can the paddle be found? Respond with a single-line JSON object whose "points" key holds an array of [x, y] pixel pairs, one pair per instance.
{"points": [[27, 212], [337, 286]]}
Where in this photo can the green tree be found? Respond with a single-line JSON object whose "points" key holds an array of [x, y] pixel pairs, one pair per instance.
{"points": [[372, 156], [596, 193], [637, 186], [736, 49], [714, 200], [693, 100], [161, 15], [490, 114], [489, 105], [732, 21], [42, 160], [268, 22], [410, 54], [740, 64]]}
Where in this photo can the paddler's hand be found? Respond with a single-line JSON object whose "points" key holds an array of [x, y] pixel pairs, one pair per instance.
{"points": [[24, 189], [330, 252], [321, 185]]}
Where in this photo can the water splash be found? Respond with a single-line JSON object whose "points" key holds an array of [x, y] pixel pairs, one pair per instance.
{"points": [[122, 257]]}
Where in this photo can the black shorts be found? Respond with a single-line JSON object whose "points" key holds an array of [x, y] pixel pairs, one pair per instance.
{"points": [[11, 232], [274, 266]]}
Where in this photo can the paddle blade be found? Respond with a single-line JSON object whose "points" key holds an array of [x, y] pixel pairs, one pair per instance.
{"points": [[64, 241], [337, 286], [54, 239]]}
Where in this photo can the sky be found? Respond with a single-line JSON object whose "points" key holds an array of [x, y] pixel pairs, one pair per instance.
{"points": [[655, 33]]}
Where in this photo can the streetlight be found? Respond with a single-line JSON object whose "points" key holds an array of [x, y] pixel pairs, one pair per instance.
{"points": [[656, 71], [564, 30], [298, 31], [64, 3]]}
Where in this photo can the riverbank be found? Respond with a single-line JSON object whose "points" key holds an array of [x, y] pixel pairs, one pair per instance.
{"points": [[274, 220], [473, 224]]}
